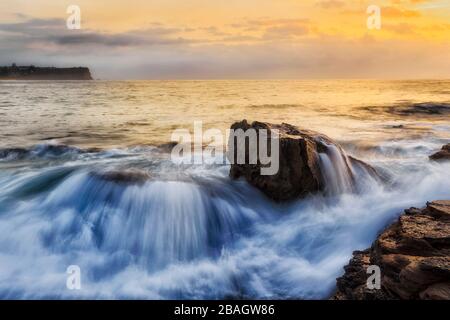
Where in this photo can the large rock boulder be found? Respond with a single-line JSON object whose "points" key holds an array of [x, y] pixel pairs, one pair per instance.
{"points": [[309, 162], [443, 154], [413, 255]]}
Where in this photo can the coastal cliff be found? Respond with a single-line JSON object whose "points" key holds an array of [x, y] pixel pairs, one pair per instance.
{"points": [[44, 73]]}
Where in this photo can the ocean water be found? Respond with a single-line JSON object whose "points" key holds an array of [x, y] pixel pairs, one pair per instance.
{"points": [[189, 232]]}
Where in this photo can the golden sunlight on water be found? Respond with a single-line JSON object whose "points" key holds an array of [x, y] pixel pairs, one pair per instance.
{"points": [[114, 114], [144, 226]]}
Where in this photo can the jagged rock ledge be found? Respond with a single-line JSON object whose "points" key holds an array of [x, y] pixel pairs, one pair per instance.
{"points": [[413, 255]]}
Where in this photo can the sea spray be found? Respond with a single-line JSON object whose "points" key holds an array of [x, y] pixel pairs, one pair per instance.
{"points": [[196, 235]]}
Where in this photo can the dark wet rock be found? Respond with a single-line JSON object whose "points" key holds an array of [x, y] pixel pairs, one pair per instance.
{"points": [[92, 150], [443, 154], [300, 171], [352, 285], [413, 255], [439, 209], [13, 153], [167, 147], [128, 176]]}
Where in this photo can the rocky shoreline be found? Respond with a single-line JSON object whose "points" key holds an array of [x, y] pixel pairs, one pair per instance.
{"points": [[413, 254]]}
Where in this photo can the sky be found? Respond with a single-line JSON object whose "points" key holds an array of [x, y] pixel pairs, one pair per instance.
{"points": [[231, 39]]}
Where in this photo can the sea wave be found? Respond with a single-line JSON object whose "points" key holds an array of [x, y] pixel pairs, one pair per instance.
{"points": [[430, 109], [199, 235], [46, 150]]}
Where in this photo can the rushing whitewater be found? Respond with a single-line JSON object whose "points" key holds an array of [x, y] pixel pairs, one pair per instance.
{"points": [[187, 234], [140, 226]]}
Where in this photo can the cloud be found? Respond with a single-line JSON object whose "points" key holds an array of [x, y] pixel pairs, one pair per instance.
{"points": [[269, 22], [285, 32], [275, 29], [330, 4], [33, 26], [281, 48], [54, 32], [431, 5], [400, 28], [147, 37], [394, 12]]}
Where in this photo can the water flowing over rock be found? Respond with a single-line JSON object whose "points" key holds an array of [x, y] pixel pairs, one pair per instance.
{"points": [[129, 176], [443, 154], [413, 255], [309, 162]]}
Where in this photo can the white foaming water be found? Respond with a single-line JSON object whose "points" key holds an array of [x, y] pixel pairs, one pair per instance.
{"points": [[201, 236], [337, 171], [191, 232], [342, 174]]}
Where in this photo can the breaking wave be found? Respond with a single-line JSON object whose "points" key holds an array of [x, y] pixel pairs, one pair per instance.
{"points": [[42, 151], [137, 231]]}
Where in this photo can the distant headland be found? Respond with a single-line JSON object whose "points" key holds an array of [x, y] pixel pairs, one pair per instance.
{"points": [[15, 72]]}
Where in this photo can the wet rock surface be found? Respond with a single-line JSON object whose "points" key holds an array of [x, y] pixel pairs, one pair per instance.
{"points": [[309, 162], [128, 176], [443, 154], [413, 255]]}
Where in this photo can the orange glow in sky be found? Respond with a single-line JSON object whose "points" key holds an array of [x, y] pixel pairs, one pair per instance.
{"points": [[240, 38]]}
